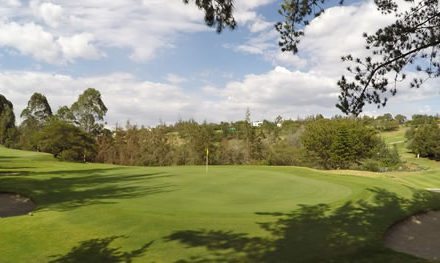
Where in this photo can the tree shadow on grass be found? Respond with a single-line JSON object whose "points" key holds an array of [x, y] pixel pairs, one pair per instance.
{"points": [[65, 190], [99, 251], [12, 172], [352, 232]]}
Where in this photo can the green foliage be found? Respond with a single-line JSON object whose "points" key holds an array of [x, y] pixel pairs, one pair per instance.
{"points": [[196, 139], [27, 134], [332, 144], [65, 114], [156, 150], [218, 13], [410, 39], [387, 122], [88, 111], [317, 139], [419, 119], [389, 157], [401, 119], [71, 155], [383, 159], [37, 109], [8, 131], [283, 153], [342, 143], [232, 151], [134, 146], [66, 142], [34, 116], [77, 134], [425, 140]]}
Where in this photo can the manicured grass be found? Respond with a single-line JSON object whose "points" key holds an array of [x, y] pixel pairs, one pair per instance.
{"points": [[104, 213]]}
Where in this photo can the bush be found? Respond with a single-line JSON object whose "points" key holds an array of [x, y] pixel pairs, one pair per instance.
{"points": [[425, 140], [66, 141], [345, 143], [371, 165], [282, 154], [70, 155]]}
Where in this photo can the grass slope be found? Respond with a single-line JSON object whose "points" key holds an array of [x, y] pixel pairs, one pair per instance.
{"points": [[104, 213]]}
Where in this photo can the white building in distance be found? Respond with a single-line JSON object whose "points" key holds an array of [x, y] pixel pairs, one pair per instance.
{"points": [[257, 123]]}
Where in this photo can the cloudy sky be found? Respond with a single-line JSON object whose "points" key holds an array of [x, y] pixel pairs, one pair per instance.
{"points": [[155, 60]]}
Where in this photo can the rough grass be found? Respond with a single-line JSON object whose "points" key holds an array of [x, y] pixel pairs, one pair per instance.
{"points": [[104, 213]]}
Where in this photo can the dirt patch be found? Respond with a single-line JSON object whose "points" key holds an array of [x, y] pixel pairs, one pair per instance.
{"points": [[12, 204], [418, 235]]}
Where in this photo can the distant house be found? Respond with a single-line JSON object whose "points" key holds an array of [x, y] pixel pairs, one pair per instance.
{"points": [[257, 124], [279, 125]]}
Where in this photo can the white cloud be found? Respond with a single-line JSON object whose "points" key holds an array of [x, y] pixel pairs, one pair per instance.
{"points": [[30, 39], [260, 44], [288, 59], [338, 32], [126, 97], [296, 93], [78, 46], [33, 40], [13, 3], [175, 79], [260, 25], [277, 92], [143, 27], [298, 85], [51, 14]]}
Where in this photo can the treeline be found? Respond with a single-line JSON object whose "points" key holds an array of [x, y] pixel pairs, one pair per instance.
{"points": [[339, 143], [77, 133]]}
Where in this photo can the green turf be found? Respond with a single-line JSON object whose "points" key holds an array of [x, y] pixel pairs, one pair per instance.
{"points": [[104, 213]]}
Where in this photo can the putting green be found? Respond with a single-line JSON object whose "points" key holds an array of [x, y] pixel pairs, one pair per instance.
{"points": [[104, 213]]}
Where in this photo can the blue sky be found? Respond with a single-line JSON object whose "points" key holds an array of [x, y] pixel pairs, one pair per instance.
{"points": [[156, 61]]}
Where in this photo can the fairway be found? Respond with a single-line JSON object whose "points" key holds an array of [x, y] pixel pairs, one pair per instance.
{"points": [[105, 213]]}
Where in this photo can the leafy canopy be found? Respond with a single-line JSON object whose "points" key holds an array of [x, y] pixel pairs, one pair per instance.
{"points": [[413, 38], [88, 111], [7, 121], [65, 141], [38, 109]]}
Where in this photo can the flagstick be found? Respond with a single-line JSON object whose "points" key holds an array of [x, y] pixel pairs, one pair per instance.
{"points": [[207, 160]]}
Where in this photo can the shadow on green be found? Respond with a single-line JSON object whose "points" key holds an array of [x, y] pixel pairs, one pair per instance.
{"points": [[100, 251], [64, 190], [14, 173], [352, 232]]}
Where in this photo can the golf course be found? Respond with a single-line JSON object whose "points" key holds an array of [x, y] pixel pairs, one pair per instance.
{"points": [[106, 213]]}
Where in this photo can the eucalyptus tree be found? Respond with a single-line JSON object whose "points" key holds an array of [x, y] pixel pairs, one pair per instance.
{"points": [[88, 111], [38, 110], [34, 117], [65, 114], [7, 122]]}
